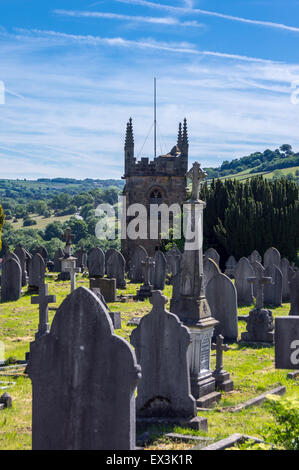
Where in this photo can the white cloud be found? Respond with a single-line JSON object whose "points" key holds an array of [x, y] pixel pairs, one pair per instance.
{"points": [[194, 11], [67, 112], [169, 21]]}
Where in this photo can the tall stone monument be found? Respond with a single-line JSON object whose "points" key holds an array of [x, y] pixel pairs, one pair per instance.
{"points": [[191, 305]]}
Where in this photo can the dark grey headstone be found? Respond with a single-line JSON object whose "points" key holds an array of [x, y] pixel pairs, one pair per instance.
{"points": [[210, 269], [84, 379], [115, 268], [285, 268], [43, 252], [159, 271], [57, 260], [212, 254], [221, 295], [21, 254], [81, 256], [294, 293], [11, 280], [287, 342], [230, 267], [37, 269], [136, 268], [271, 257], [96, 262], [243, 272], [161, 343], [273, 291]]}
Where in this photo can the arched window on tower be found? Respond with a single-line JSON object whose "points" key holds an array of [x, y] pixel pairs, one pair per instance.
{"points": [[156, 197]]}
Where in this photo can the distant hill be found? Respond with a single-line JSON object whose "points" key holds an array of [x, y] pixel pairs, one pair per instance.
{"points": [[268, 162]]}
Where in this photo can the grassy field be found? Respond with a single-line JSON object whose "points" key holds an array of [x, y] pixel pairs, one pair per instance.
{"points": [[246, 174], [251, 368], [41, 221]]}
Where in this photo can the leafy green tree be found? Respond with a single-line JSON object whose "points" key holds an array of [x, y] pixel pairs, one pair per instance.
{"points": [[2, 219]]}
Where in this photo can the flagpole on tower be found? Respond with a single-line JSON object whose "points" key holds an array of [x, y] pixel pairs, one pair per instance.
{"points": [[155, 117]]}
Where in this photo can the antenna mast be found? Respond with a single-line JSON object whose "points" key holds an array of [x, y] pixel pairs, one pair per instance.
{"points": [[155, 117]]}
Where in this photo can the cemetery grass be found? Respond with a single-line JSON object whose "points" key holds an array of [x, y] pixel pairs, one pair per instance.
{"points": [[251, 368]]}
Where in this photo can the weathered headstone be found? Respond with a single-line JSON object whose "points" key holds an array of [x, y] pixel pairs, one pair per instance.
{"points": [[11, 280], [37, 269], [84, 379], [212, 254], [244, 271], [210, 269], [294, 293], [115, 268], [273, 291], [255, 256], [230, 267], [285, 268], [21, 254], [106, 286], [96, 262], [115, 316], [81, 256], [221, 295], [136, 270], [222, 377], [271, 257], [173, 258], [159, 271], [43, 252], [161, 343], [57, 260]]}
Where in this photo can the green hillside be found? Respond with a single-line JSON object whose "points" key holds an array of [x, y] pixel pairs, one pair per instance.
{"points": [[271, 164]]}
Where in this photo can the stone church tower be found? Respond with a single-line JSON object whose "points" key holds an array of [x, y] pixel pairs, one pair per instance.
{"points": [[162, 180]]}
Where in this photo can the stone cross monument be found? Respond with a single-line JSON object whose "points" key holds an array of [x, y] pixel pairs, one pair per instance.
{"points": [[259, 282], [223, 381], [68, 237], [191, 305], [43, 299], [146, 288]]}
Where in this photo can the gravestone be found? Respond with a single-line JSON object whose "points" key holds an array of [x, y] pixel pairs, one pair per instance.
{"points": [[11, 280], [43, 252], [260, 324], [173, 258], [221, 295], [96, 262], [174, 263], [115, 316], [244, 289], [146, 288], [285, 269], [271, 257], [57, 260], [159, 271], [212, 254], [255, 256], [287, 342], [106, 286], [294, 293], [115, 268], [136, 267], [210, 269], [9, 255], [37, 269], [68, 237], [21, 254], [161, 343], [273, 291], [222, 377], [84, 379], [230, 267], [81, 256]]}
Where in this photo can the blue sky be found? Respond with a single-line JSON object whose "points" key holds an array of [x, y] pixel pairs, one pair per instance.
{"points": [[75, 71]]}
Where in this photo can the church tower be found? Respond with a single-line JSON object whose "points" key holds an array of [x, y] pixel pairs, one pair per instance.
{"points": [[160, 181]]}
